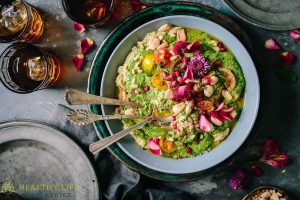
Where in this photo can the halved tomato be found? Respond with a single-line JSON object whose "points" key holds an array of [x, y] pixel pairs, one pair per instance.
{"points": [[158, 80], [205, 105], [148, 62], [167, 146], [162, 56]]}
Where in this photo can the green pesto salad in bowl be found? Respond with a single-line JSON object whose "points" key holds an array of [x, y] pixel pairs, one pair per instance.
{"points": [[191, 77], [195, 74]]}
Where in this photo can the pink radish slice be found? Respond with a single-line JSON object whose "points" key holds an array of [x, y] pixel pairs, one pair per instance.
{"points": [[205, 125], [229, 109], [220, 106], [153, 146]]}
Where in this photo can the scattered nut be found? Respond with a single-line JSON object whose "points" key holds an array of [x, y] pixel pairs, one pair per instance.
{"points": [[165, 27], [208, 90], [181, 36]]}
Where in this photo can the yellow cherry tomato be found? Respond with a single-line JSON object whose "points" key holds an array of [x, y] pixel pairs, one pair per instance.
{"points": [[165, 113], [158, 80], [167, 146], [148, 62]]}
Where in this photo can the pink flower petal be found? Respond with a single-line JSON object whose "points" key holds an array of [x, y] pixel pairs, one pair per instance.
{"points": [[271, 155], [179, 47], [153, 146], [188, 76], [287, 58], [137, 5], [295, 34], [79, 27], [78, 61], [194, 48], [86, 45], [220, 106], [183, 93], [229, 109], [205, 125], [271, 44], [226, 115]]}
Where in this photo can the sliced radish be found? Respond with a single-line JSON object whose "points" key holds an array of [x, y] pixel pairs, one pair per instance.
{"points": [[153, 146], [226, 115], [216, 121], [220, 106], [229, 109], [205, 125]]}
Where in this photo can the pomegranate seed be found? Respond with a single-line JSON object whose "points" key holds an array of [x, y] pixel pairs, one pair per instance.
{"points": [[174, 118], [206, 81], [221, 47], [174, 126], [173, 84], [180, 79], [177, 74], [169, 77], [188, 150], [217, 63], [147, 88]]}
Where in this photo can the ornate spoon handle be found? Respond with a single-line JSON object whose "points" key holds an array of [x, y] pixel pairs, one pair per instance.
{"points": [[102, 144], [75, 97], [84, 117]]}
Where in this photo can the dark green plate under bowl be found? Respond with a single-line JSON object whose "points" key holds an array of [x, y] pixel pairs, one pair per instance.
{"points": [[120, 32]]}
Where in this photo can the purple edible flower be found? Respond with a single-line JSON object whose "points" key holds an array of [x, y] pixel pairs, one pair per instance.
{"points": [[199, 66], [238, 180]]}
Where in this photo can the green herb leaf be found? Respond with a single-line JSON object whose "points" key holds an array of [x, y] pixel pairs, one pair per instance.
{"points": [[188, 55], [287, 75], [221, 78]]}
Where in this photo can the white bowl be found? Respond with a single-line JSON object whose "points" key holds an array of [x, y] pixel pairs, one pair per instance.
{"points": [[238, 134]]}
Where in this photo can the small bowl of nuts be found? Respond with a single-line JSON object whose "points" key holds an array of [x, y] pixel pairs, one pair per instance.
{"points": [[267, 193]]}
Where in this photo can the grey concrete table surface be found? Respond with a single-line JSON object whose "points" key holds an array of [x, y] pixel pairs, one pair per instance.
{"points": [[281, 113]]}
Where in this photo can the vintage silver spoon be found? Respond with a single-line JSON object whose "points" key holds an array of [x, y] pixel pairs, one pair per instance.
{"points": [[102, 144], [75, 97], [84, 117]]}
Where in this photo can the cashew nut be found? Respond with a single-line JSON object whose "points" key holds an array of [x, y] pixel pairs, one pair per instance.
{"points": [[208, 90], [178, 108]]}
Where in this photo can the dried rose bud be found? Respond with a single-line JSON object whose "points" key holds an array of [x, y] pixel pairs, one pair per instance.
{"points": [[271, 44], [238, 180], [287, 58], [79, 27], [78, 61], [86, 45]]}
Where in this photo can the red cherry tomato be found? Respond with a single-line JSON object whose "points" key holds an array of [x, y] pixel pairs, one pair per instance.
{"points": [[162, 56]]}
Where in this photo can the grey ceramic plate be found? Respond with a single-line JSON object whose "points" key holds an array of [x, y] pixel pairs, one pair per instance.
{"points": [[239, 133], [36, 154], [268, 14]]}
